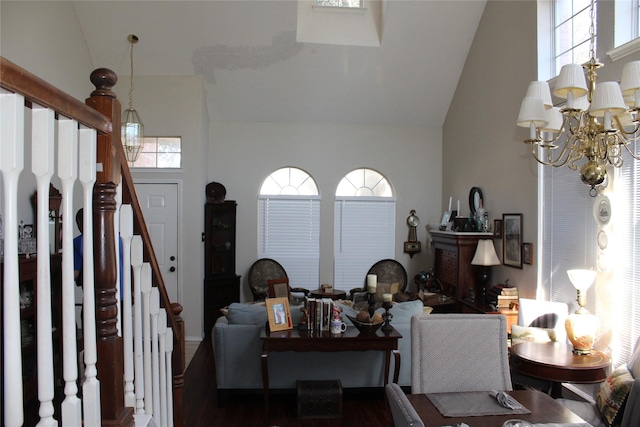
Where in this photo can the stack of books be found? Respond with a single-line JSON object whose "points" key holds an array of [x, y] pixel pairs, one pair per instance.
{"points": [[508, 298], [319, 310]]}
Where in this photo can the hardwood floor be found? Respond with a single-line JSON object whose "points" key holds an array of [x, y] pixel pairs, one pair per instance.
{"points": [[201, 403]]}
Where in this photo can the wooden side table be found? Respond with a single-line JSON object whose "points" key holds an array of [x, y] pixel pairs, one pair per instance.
{"points": [[350, 340], [334, 294], [557, 363]]}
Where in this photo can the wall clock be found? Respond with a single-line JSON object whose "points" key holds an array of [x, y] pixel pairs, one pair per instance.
{"points": [[412, 245]]}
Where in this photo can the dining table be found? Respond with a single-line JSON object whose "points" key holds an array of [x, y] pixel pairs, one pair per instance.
{"points": [[543, 410]]}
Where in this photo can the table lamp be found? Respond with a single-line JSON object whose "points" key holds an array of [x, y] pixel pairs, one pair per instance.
{"points": [[582, 326], [485, 256]]}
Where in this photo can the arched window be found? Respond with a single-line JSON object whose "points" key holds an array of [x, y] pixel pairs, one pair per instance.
{"points": [[365, 217], [289, 224]]}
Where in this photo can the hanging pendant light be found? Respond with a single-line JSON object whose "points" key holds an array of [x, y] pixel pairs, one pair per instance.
{"points": [[132, 127]]}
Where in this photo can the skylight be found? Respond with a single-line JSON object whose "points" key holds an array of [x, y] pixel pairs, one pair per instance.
{"points": [[351, 4]]}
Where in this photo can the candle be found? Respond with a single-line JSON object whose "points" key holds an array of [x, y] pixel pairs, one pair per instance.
{"points": [[458, 208], [386, 297], [372, 282], [449, 204]]}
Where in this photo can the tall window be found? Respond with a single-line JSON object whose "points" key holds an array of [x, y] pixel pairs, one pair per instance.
{"points": [[289, 224], [365, 216], [626, 281], [627, 20], [572, 20]]}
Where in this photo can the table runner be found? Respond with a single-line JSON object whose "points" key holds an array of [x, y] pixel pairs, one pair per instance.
{"points": [[470, 404]]}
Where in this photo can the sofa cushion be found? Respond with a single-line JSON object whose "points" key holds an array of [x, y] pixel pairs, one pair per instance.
{"points": [[404, 311], [255, 314], [613, 394], [530, 333], [247, 314]]}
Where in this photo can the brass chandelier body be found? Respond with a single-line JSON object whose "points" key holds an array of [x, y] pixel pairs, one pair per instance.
{"points": [[596, 124]]}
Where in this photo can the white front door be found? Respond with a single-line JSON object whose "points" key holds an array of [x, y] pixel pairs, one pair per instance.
{"points": [[159, 203]]}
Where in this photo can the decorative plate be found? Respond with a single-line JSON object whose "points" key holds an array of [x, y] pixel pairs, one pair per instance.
{"points": [[602, 210], [603, 239]]}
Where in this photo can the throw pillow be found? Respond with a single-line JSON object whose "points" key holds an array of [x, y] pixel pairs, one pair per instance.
{"points": [[613, 394], [530, 333], [386, 288]]}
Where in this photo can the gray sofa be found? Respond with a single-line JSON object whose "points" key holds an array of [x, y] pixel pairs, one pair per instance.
{"points": [[237, 348]]}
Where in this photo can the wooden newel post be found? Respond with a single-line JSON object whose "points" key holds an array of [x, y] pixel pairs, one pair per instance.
{"points": [[109, 345]]}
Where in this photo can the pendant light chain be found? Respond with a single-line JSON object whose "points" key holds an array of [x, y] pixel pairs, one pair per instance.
{"points": [[592, 32], [133, 39]]}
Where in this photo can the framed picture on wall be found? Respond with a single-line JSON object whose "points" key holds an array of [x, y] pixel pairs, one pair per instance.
{"points": [[527, 253], [512, 240], [497, 228]]}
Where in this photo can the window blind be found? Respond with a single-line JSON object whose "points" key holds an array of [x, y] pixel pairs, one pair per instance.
{"points": [[569, 234], [364, 234], [289, 232]]}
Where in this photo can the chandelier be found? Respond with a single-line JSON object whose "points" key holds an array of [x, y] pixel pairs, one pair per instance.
{"points": [[132, 127], [598, 123]]}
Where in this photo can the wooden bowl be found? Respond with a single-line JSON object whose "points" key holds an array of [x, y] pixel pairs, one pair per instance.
{"points": [[365, 328]]}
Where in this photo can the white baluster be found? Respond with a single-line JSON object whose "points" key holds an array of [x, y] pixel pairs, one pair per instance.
{"points": [[145, 288], [162, 332], [87, 176], [168, 348], [67, 171], [136, 265], [119, 257], [154, 309], [126, 232], [42, 155], [11, 165]]}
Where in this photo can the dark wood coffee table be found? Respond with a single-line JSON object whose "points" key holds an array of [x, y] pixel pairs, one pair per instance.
{"points": [[350, 340], [544, 409], [557, 363]]}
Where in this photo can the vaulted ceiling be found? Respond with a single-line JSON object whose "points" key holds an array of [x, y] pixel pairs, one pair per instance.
{"points": [[255, 70]]}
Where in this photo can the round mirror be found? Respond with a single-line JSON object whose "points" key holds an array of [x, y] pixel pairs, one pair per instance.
{"points": [[475, 200]]}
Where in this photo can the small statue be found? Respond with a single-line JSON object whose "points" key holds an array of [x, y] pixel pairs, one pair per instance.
{"points": [[303, 324]]}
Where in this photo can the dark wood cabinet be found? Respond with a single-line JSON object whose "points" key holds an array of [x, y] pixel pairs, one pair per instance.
{"points": [[221, 283], [27, 277], [452, 266]]}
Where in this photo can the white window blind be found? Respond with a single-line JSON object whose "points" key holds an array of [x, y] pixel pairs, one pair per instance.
{"points": [[364, 234], [626, 212], [569, 234], [289, 232]]}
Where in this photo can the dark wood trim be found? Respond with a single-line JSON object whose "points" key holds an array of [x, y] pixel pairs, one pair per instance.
{"points": [[33, 88]]}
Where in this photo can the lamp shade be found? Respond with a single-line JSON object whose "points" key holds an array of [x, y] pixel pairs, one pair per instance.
{"points": [[554, 120], [532, 111], [607, 97], [540, 89], [581, 279], [630, 81], [571, 81], [485, 254]]}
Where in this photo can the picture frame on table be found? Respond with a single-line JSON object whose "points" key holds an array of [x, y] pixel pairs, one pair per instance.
{"points": [[497, 228], [512, 240], [279, 314], [527, 253]]}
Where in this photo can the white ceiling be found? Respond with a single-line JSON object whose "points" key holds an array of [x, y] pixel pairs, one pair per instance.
{"points": [[255, 70]]}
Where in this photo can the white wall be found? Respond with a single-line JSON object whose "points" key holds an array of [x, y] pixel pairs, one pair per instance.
{"points": [[174, 106], [242, 155], [482, 145]]}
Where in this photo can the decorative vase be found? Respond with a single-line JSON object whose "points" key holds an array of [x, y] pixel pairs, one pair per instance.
{"points": [[582, 329]]}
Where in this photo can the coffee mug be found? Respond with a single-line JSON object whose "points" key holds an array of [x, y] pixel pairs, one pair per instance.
{"points": [[338, 326]]}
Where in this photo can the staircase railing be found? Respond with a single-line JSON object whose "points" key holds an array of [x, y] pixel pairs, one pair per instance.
{"points": [[85, 141]]}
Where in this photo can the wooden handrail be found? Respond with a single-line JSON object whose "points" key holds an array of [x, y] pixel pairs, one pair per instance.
{"points": [[33, 88]]}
